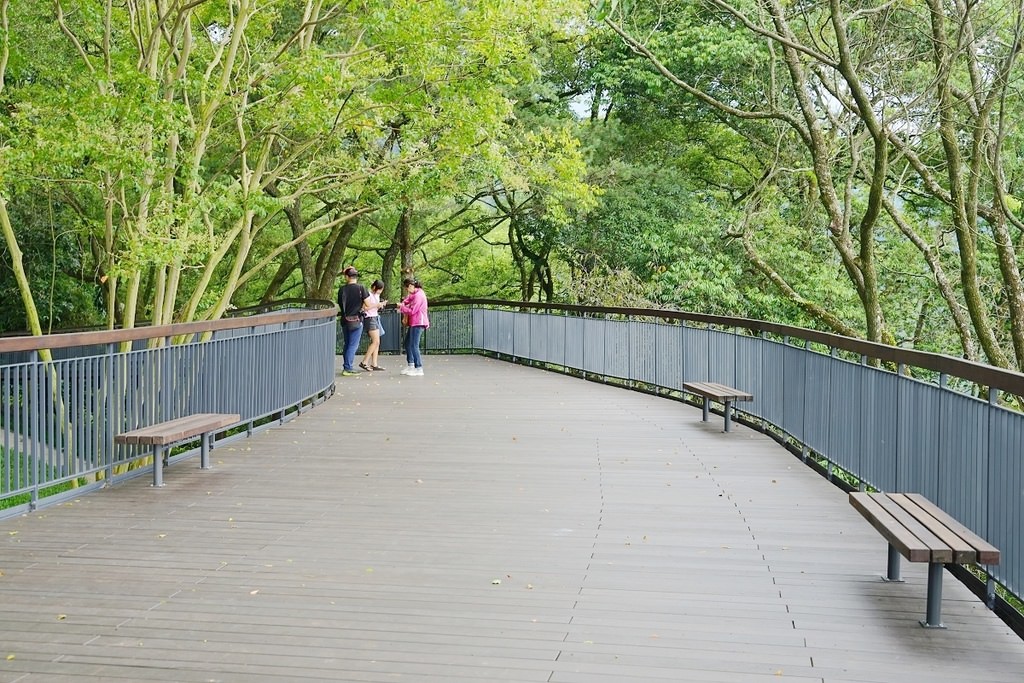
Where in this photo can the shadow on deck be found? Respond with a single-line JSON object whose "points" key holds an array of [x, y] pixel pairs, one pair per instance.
{"points": [[485, 522]]}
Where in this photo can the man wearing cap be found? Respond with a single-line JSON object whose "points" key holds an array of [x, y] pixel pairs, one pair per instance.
{"points": [[353, 298]]}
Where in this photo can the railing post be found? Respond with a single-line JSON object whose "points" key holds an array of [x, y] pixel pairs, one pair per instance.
{"points": [[990, 584], [32, 438], [583, 347], [901, 370], [166, 373], [682, 350], [110, 423]]}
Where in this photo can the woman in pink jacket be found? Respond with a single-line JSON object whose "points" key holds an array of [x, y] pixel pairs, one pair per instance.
{"points": [[415, 306]]}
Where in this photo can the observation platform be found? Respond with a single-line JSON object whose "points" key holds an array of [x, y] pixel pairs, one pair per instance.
{"points": [[486, 522]]}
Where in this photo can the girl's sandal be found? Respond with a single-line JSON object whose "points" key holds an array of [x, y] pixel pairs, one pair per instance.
{"points": [[364, 366], [376, 367]]}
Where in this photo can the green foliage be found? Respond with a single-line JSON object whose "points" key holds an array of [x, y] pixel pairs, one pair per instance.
{"points": [[67, 293], [165, 147]]}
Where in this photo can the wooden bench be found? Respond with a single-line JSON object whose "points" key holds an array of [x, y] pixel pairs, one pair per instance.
{"points": [[718, 392], [920, 531], [165, 434]]}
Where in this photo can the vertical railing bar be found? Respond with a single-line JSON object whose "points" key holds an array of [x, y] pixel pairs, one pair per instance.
{"points": [[5, 386], [32, 425], [993, 403], [25, 474], [48, 443], [73, 380], [102, 418], [77, 377]]}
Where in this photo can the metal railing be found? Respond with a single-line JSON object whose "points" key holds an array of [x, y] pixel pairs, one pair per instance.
{"points": [[893, 418], [58, 417]]}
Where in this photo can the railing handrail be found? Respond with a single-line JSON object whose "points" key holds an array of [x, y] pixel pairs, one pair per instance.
{"points": [[280, 304], [984, 375], [73, 339]]}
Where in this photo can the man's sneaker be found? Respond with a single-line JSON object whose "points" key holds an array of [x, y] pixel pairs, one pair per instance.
{"points": [[407, 370], [349, 373], [416, 372]]}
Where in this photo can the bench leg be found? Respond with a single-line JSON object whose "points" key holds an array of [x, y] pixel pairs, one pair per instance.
{"points": [[158, 466], [933, 618], [728, 415], [707, 408], [204, 452], [892, 572]]}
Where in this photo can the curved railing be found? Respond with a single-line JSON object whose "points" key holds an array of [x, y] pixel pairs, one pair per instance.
{"points": [[894, 419], [59, 416]]}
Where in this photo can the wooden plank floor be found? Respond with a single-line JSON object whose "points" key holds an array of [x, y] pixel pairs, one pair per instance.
{"points": [[485, 522]]}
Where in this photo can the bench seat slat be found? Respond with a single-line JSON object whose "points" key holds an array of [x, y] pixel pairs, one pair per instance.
{"points": [[909, 545], [963, 552], [940, 551], [177, 430], [987, 553]]}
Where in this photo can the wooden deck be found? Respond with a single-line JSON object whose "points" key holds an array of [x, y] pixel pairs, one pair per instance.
{"points": [[486, 522]]}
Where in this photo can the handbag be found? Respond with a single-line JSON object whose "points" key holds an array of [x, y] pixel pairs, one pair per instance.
{"points": [[405, 320]]}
